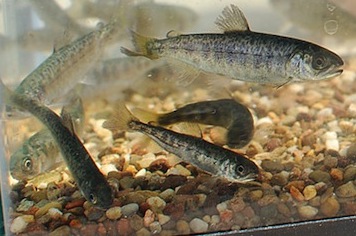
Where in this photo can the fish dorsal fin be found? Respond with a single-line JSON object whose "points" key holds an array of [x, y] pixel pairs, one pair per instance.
{"points": [[232, 20], [172, 34]]}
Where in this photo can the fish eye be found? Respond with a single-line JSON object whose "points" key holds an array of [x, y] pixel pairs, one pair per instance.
{"points": [[240, 169], [27, 164], [92, 198], [319, 62]]}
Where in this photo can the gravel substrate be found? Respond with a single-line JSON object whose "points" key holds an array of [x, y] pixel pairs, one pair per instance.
{"points": [[304, 143]]}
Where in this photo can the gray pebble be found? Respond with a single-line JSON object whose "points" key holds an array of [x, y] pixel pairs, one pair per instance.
{"points": [[63, 230], [350, 173], [272, 166], [129, 209], [346, 190], [320, 176]]}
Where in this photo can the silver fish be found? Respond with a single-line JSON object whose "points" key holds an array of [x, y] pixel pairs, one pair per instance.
{"points": [[242, 54], [211, 158], [86, 174], [60, 72], [40, 152]]}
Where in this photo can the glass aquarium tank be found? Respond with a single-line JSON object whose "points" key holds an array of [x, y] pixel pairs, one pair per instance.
{"points": [[152, 117]]}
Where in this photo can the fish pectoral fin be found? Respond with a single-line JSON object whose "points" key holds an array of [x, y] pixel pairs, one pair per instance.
{"points": [[68, 121], [130, 53], [284, 83], [189, 128], [232, 20], [144, 115], [184, 74]]}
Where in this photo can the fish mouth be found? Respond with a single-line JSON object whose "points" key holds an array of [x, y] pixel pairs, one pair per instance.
{"points": [[331, 72], [247, 178]]}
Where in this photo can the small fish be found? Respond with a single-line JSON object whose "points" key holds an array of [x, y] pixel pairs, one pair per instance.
{"points": [[40, 152], [60, 72], [227, 113], [86, 174], [242, 54], [211, 158]]}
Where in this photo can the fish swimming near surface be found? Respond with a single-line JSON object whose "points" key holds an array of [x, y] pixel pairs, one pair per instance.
{"points": [[242, 54], [40, 152], [227, 113], [91, 182], [209, 157]]}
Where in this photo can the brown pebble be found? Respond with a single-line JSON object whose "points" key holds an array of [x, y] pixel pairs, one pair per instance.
{"points": [[75, 203], [272, 166], [174, 210], [123, 227], [159, 164], [279, 179], [173, 181], [296, 194], [337, 174], [237, 204], [101, 231], [89, 229], [76, 211], [349, 208], [284, 210], [350, 173], [255, 195], [330, 162], [136, 222], [273, 143], [308, 138], [330, 207], [351, 152], [94, 213], [39, 195], [36, 229], [62, 230], [76, 223], [299, 184], [320, 176], [43, 210]]}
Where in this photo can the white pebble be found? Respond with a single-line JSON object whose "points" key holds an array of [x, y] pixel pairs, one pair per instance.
{"points": [[155, 227], [307, 212], [162, 219], [55, 213], [221, 207], [332, 144], [105, 169], [215, 219], [141, 173], [18, 225], [264, 120], [198, 226], [182, 170], [352, 109]]}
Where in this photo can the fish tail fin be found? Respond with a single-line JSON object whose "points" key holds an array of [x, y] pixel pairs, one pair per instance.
{"points": [[120, 119], [140, 42]]}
